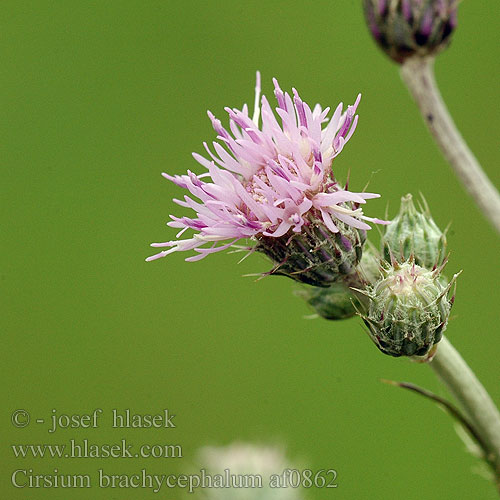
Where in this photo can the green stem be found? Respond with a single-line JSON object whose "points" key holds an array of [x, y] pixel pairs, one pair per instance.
{"points": [[482, 413], [418, 74]]}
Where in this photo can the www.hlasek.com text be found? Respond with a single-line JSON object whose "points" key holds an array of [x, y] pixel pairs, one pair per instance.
{"points": [[86, 449]]}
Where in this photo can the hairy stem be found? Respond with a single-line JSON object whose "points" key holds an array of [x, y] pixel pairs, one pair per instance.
{"points": [[472, 397], [418, 74]]}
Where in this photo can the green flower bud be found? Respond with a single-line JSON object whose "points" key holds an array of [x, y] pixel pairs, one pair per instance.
{"points": [[315, 256], [335, 302], [414, 233], [404, 28], [369, 267], [341, 300], [408, 310]]}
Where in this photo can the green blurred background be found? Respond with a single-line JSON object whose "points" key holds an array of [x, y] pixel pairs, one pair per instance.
{"points": [[97, 99]]}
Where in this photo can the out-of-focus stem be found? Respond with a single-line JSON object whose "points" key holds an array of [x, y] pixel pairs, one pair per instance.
{"points": [[472, 397], [418, 74]]}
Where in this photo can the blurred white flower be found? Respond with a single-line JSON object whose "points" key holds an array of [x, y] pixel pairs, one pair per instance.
{"points": [[243, 460]]}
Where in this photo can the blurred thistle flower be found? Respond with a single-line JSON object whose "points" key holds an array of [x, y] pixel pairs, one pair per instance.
{"points": [[404, 28], [414, 233], [409, 309], [241, 459], [274, 184]]}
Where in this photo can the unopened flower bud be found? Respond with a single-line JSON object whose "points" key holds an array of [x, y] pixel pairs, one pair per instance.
{"points": [[409, 309], [414, 233], [335, 302], [369, 267], [316, 256], [404, 28]]}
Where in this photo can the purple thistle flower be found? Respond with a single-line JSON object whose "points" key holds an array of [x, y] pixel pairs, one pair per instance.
{"points": [[270, 182]]}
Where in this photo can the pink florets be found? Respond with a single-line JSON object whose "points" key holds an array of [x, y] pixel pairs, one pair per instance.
{"points": [[270, 180]]}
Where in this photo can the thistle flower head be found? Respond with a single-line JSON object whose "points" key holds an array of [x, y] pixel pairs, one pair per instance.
{"points": [[404, 28], [409, 309], [413, 232], [270, 179]]}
